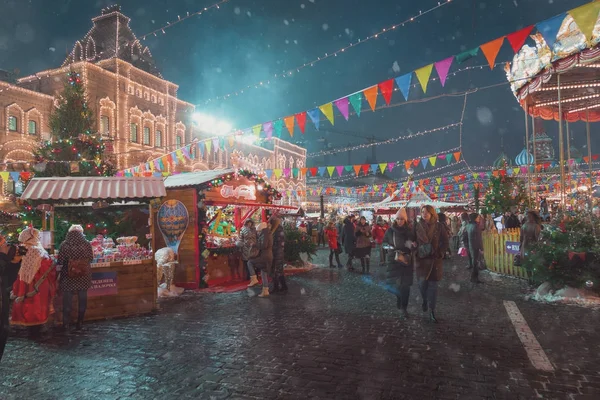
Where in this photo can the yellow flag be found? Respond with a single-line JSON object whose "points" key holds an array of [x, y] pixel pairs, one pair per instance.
{"points": [[438, 180], [423, 75], [330, 170], [437, 188], [277, 173], [461, 186], [585, 17], [4, 176], [432, 160], [208, 145], [327, 110], [256, 130], [382, 167]]}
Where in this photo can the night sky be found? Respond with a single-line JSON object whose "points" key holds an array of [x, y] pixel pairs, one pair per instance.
{"points": [[247, 41]]}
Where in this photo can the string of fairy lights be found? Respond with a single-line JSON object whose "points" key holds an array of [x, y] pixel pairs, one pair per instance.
{"points": [[335, 53], [180, 19]]}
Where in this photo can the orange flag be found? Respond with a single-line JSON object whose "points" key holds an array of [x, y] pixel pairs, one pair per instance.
{"points": [[491, 50], [357, 169], [289, 124], [371, 96], [457, 156], [407, 164]]}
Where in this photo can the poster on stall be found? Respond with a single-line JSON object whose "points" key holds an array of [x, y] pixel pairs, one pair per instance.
{"points": [[103, 284], [173, 220]]}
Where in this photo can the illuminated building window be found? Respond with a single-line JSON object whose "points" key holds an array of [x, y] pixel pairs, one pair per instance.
{"points": [[158, 138], [13, 123], [104, 125], [32, 128], [178, 141], [133, 135], [146, 136]]}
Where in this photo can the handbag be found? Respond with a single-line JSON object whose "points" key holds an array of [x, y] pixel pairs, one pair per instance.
{"points": [[400, 256], [463, 252], [78, 268], [426, 249]]}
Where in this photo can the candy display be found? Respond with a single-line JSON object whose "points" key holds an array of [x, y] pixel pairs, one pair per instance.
{"points": [[126, 250]]}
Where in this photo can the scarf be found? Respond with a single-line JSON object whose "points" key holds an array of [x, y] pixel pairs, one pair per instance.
{"points": [[426, 233]]}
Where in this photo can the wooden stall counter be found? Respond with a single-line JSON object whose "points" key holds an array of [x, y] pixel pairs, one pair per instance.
{"points": [[119, 289]]}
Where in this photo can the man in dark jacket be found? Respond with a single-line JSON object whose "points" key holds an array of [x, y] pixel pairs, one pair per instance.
{"points": [[349, 240], [279, 284], [475, 245]]}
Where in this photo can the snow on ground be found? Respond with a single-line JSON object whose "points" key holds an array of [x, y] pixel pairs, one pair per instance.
{"points": [[568, 295]]}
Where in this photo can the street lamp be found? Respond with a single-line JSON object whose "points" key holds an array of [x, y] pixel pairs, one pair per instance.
{"points": [[211, 125]]}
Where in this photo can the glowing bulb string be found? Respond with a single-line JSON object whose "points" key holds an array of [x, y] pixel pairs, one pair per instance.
{"points": [[329, 54], [388, 141], [180, 19]]}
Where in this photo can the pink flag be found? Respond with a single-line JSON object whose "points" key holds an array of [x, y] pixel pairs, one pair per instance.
{"points": [[340, 168], [391, 166], [442, 68], [342, 105]]}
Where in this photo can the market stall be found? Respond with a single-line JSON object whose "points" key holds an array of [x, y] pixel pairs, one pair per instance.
{"points": [[123, 271], [216, 204]]}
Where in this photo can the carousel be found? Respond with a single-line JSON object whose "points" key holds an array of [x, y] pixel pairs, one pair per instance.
{"points": [[559, 80]]}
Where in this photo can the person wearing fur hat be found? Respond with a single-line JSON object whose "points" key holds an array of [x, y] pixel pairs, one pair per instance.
{"points": [[35, 286], [400, 266], [75, 249]]}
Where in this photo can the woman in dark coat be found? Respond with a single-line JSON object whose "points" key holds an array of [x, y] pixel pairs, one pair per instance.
{"points": [[349, 240], [265, 258], [430, 267], [363, 244], [75, 247], [279, 284], [400, 267]]}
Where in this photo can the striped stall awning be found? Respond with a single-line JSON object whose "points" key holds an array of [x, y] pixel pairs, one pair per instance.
{"points": [[62, 189]]}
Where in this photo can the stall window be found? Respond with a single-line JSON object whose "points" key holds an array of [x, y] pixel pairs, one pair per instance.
{"points": [[104, 125], [178, 141], [32, 128], [146, 136], [13, 124], [133, 136], [158, 138]]}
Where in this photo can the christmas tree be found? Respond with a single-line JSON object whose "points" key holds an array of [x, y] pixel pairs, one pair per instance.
{"points": [[503, 194], [75, 147]]}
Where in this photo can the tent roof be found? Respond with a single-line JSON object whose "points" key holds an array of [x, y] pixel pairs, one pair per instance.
{"points": [[195, 178]]}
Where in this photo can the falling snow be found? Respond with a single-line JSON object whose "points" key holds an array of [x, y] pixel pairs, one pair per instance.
{"points": [[237, 11], [302, 6], [396, 67], [325, 27], [286, 22]]}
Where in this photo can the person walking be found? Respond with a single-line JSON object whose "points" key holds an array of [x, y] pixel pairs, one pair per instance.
{"points": [[400, 263], [432, 242], [444, 221], [463, 238], [334, 245], [349, 240], [363, 244], [378, 233], [321, 233], [279, 284], [475, 241], [264, 260], [75, 250], [454, 229], [247, 243], [530, 232]]}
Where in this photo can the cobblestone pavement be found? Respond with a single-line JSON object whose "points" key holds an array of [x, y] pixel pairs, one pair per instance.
{"points": [[336, 335]]}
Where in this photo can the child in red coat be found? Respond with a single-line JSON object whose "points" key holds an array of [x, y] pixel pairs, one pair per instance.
{"points": [[334, 247]]}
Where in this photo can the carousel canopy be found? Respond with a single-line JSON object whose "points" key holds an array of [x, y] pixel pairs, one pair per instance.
{"points": [[417, 199], [534, 72]]}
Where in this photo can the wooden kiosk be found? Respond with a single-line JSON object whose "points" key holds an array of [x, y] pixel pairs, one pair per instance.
{"points": [[120, 287], [205, 194]]}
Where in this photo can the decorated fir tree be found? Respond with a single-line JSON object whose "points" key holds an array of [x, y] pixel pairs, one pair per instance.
{"points": [[503, 194], [75, 147]]}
